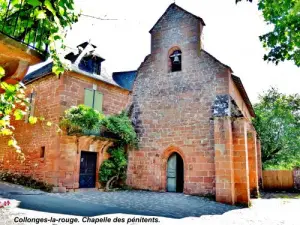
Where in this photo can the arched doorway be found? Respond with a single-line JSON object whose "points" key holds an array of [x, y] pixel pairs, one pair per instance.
{"points": [[175, 173]]}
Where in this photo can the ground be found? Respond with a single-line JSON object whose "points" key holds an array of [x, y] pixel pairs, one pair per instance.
{"points": [[272, 209]]}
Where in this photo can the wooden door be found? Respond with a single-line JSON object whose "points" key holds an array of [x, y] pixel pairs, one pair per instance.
{"points": [[87, 177], [171, 173]]}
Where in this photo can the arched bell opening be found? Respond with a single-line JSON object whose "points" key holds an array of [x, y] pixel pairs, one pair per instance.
{"points": [[175, 59]]}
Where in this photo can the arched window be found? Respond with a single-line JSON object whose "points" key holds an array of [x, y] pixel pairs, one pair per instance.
{"points": [[175, 60]]}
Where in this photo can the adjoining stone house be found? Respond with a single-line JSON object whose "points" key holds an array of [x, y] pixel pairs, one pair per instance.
{"points": [[192, 116], [64, 161]]}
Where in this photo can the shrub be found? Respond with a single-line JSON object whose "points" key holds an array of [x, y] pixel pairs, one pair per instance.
{"points": [[119, 127], [81, 119], [27, 181], [113, 170]]}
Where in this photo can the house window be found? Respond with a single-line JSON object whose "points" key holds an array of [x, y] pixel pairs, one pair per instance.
{"points": [[176, 59], [31, 106], [93, 99], [42, 152]]}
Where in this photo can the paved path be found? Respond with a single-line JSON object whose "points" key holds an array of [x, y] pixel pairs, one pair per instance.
{"points": [[92, 203], [277, 209]]}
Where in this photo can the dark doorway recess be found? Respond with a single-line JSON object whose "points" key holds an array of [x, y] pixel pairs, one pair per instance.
{"points": [[87, 177], [175, 173]]}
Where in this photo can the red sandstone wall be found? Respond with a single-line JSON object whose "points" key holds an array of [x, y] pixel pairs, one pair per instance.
{"points": [[53, 96], [172, 111], [115, 99], [32, 137], [69, 157]]}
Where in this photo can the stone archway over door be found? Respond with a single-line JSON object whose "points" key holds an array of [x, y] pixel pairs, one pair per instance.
{"points": [[175, 174]]}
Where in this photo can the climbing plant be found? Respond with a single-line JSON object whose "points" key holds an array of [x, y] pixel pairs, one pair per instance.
{"points": [[113, 170], [120, 127]]}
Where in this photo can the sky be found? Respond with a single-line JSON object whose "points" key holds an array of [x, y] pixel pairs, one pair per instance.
{"points": [[231, 35]]}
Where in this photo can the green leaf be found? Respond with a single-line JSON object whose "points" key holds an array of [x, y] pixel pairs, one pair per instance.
{"points": [[32, 120], [57, 70], [2, 72], [61, 10], [34, 3], [6, 131], [18, 114], [41, 15], [15, 2], [12, 142], [50, 7]]}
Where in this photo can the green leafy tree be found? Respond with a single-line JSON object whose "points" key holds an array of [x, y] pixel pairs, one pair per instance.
{"points": [[283, 42], [278, 125], [40, 22], [31, 20]]}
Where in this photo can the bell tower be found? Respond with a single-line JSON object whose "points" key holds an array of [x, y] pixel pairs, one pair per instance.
{"points": [[175, 37]]}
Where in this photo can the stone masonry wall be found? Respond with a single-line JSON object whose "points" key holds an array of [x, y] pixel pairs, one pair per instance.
{"points": [[172, 110], [115, 99], [32, 138], [53, 96], [71, 148]]}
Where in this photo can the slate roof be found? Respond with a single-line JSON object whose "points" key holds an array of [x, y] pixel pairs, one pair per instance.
{"points": [[47, 70], [39, 73], [240, 87], [125, 79], [84, 44]]}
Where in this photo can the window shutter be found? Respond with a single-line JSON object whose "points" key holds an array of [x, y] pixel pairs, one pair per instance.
{"points": [[31, 106], [98, 101], [88, 97]]}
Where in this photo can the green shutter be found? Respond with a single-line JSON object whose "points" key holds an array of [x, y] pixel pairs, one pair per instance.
{"points": [[98, 101], [88, 97]]}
